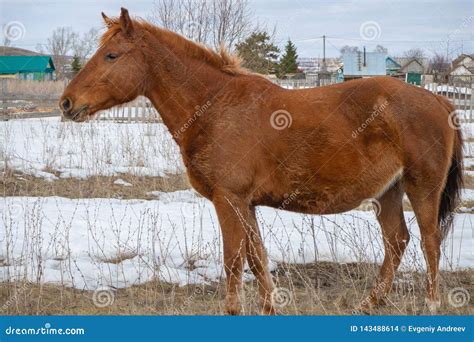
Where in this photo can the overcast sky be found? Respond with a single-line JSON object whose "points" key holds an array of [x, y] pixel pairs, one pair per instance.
{"points": [[397, 25]]}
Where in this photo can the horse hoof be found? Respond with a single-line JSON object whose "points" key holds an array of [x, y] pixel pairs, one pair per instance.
{"points": [[231, 312], [232, 307], [269, 311]]}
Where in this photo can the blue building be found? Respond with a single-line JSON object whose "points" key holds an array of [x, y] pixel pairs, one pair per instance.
{"points": [[364, 64]]}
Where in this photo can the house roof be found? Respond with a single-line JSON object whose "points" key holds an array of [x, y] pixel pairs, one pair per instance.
{"points": [[461, 58], [21, 64], [375, 64], [390, 62], [461, 70], [405, 61], [459, 63]]}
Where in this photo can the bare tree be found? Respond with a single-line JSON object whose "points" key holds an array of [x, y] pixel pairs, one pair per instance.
{"points": [[188, 17], [414, 53], [84, 46], [231, 19], [64, 42], [206, 21], [381, 48], [348, 49], [439, 66], [59, 45], [60, 42]]}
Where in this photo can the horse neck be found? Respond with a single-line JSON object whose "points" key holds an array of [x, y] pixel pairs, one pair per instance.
{"points": [[179, 94]]}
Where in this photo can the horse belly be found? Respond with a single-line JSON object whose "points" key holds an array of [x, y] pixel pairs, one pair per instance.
{"points": [[322, 193]]}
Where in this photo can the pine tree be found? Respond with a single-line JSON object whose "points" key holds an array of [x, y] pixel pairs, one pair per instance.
{"points": [[258, 52], [76, 64], [288, 64]]}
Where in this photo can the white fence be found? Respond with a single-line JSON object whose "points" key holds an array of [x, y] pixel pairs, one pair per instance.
{"points": [[139, 110], [461, 96]]}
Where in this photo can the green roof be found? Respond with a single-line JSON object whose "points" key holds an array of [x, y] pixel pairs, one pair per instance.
{"points": [[23, 64]]}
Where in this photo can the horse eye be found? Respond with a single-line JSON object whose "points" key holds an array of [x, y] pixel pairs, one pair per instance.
{"points": [[110, 56]]}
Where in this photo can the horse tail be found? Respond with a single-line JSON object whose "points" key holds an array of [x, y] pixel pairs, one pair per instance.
{"points": [[454, 181]]}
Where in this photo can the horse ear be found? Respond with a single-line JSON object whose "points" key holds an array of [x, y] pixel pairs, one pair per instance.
{"points": [[108, 22], [126, 22]]}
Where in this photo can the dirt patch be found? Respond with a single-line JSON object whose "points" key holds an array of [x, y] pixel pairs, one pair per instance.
{"points": [[321, 288], [469, 182], [18, 184]]}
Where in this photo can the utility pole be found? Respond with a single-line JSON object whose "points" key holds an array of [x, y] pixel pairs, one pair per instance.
{"points": [[323, 67], [324, 49], [323, 75]]}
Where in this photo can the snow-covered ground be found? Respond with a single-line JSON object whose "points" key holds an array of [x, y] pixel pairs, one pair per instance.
{"points": [[40, 146], [87, 243]]}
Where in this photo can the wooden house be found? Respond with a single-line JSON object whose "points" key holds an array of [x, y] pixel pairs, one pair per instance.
{"points": [[38, 68]]}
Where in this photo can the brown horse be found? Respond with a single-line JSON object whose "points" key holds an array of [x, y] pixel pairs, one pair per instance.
{"points": [[248, 142]]}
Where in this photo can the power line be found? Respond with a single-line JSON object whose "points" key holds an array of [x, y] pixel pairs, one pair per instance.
{"points": [[386, 41]]}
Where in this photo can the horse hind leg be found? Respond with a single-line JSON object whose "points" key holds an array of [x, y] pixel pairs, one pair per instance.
{"points": [[395, 239], [425, 202]]}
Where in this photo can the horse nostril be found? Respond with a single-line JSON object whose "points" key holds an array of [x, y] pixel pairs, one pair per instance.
{"points": [[66, 104]]}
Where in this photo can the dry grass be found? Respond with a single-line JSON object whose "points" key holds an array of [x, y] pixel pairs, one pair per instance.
{"points": [[469, 182], [15, 183], [321, 288], [35, 89]]}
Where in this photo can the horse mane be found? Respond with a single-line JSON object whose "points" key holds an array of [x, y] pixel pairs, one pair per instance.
{"points": [[223, 59]]}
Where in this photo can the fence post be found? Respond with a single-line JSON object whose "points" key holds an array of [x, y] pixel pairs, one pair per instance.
{"points": [[471, 101], [4, 108]]}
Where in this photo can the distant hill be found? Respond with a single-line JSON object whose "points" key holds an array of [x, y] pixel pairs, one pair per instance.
{"points": [[14, 51]]}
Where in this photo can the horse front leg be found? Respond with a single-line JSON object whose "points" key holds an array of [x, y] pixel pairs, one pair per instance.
{"points": [[258, 263], [242, 240], [228, 207]]}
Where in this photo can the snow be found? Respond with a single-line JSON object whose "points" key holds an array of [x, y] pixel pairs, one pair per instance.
{"points": [[37, 146], [121, 182], [87, 243]]}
